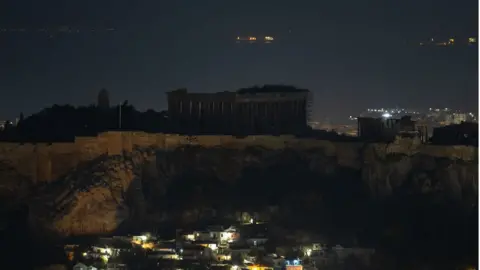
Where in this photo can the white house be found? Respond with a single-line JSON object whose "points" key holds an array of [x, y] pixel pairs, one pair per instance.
{"points": [[256, 241], [165, 254], [116, 266], [80, 266]]}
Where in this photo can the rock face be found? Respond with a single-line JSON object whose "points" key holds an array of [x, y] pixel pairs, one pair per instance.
{"points": [[93, 198], [12, 185], [99, 196]]}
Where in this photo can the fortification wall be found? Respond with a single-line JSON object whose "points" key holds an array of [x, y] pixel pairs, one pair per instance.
{"points": [[46, 162]]}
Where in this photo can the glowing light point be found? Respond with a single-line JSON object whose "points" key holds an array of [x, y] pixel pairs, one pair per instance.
{"points": [[386, 115]]}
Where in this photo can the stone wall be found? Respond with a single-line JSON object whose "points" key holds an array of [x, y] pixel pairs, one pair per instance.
{"points": [[47, 162]]}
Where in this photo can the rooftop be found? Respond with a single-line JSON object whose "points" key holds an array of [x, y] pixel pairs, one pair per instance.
{"points": [[271, 89], [268, 88]]}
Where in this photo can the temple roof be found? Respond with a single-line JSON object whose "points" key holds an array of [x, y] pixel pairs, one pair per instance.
{"points": [[271, 89]]}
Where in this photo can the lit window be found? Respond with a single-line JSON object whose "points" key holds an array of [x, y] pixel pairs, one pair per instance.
{"points": [[269, 38], [472, 40]]}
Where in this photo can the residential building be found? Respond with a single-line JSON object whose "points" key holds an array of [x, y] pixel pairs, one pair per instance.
{"points": [[196, 252], [116, 266], [81, 266], [387, 128], [465, 133]]}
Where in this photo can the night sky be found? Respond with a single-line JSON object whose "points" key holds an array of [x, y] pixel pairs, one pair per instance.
{"points": [[352, 54]]}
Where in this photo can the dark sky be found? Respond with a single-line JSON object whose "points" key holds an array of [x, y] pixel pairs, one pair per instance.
{"points": [[352, 54]]}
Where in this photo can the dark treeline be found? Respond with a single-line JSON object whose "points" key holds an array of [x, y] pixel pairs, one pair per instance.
{"points": [[64, 122]]}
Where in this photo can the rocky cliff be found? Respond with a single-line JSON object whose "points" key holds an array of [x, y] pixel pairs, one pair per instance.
{"points": [[149, 183]]}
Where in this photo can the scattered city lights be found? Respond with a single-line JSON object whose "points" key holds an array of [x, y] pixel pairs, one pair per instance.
{"points": [[254, 39], [448, 42]]}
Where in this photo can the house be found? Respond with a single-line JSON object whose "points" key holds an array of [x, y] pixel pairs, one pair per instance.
{"points": [[116, 266], [99, 251], [102, 249], [238, 251], [80, 266], [211, 244], [275, 260], [70, 251], [188, 235], [258, 267], [229, 235], [215, 234], [196, 252], [116, 246], [465, 133], [256, 241], [310, 248], [164, 254], [205, 236], [387, 128], [224, 256]]}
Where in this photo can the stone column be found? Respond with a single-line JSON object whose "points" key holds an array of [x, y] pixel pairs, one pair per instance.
{"points": [[256, 117], [201, 106], [251, 117], [295, 113], [269, 117], [275, 117]]}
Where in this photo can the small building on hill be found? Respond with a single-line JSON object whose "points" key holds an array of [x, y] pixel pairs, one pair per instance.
{"points": [[465, 133], [386, 129]]}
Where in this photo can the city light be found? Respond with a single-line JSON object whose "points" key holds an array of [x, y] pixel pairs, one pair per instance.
{"points": [[386, 115]]}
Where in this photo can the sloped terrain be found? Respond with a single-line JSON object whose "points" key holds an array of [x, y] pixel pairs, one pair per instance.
{"points": [[403, 204], [153, 184]]}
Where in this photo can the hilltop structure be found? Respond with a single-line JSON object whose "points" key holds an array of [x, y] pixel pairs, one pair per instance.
{"points": [[258, 110]]}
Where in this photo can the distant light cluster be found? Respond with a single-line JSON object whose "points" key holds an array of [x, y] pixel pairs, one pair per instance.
{"points": [[442, 116], [398, 110], [449, 42], [254, 39]]}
